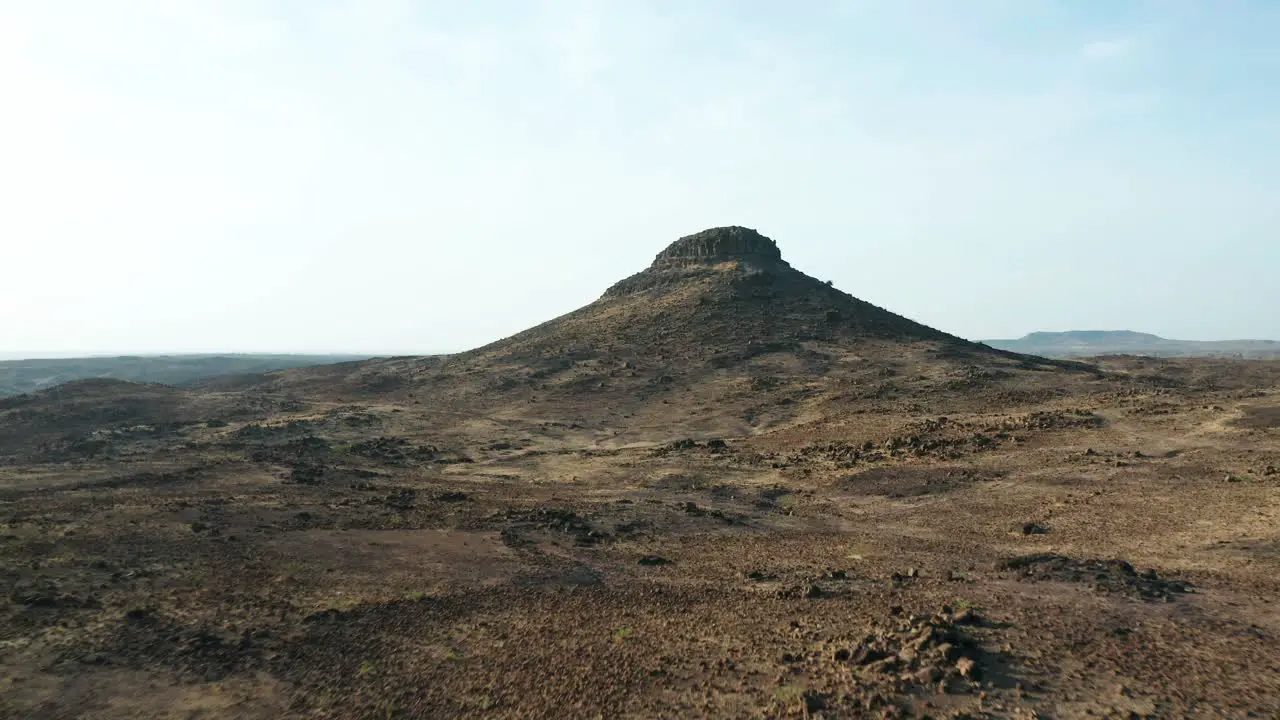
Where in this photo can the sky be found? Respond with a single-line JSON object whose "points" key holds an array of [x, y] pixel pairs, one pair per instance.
{"points": [[400, 176]]}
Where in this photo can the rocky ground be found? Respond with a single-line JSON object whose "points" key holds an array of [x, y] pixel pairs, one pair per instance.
{"points": [[1108, 554], [789, 519]]}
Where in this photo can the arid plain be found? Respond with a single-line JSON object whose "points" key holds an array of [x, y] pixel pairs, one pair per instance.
{"points": [[726, 489]]}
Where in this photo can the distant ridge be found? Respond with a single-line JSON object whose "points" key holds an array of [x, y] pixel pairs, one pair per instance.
{"points": [[24, 376], [1089, 343]]}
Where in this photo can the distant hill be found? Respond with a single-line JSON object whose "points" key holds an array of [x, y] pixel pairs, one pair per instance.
{"points": [[22, 376], [1086, 343]]}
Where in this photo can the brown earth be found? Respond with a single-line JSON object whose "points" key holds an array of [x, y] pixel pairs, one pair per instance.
{"points": [[723, 490]]}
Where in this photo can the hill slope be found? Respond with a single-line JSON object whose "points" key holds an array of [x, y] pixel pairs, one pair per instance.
{"points": [[714, 302], [714, 297], [719, 336]]}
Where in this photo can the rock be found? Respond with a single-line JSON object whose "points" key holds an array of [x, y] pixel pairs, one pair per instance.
{"points": [[814, 702], [922, 640], [653, 560], [1105, 575], [967, 668], [1033, 528], [866, 656], [928, 676], [140, 615], [718, 245], [885, 665]]}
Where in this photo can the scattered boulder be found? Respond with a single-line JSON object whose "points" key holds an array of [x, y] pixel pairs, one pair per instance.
{"points": [[908, 574], [140, 615], [401, 499], [1111, 576], [919, 651], [307, 473], [550, 519], [393, 450]]}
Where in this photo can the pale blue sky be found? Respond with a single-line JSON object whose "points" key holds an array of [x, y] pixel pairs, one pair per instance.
{"points": [[399, 176]]}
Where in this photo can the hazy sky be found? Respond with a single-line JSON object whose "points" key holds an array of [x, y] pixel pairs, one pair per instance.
{"points": [[413, 176]]}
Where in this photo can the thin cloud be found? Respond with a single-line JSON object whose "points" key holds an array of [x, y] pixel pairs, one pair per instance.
{"points": [[452, 138], [1105, 49]]}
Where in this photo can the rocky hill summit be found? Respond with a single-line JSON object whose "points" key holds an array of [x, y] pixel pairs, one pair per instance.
{"points": [[715, 295], [700, 255], [721, 245], [717, 304]]}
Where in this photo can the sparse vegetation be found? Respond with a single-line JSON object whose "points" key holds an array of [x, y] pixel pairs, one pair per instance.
{"points": [[723, 490]]}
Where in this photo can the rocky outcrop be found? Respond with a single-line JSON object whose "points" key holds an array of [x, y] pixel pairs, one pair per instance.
{"points": [[697, 255], [717, 245]]}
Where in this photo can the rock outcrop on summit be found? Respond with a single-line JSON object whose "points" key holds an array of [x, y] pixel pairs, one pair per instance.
{"points": [[721, 245], [701, 255]]}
